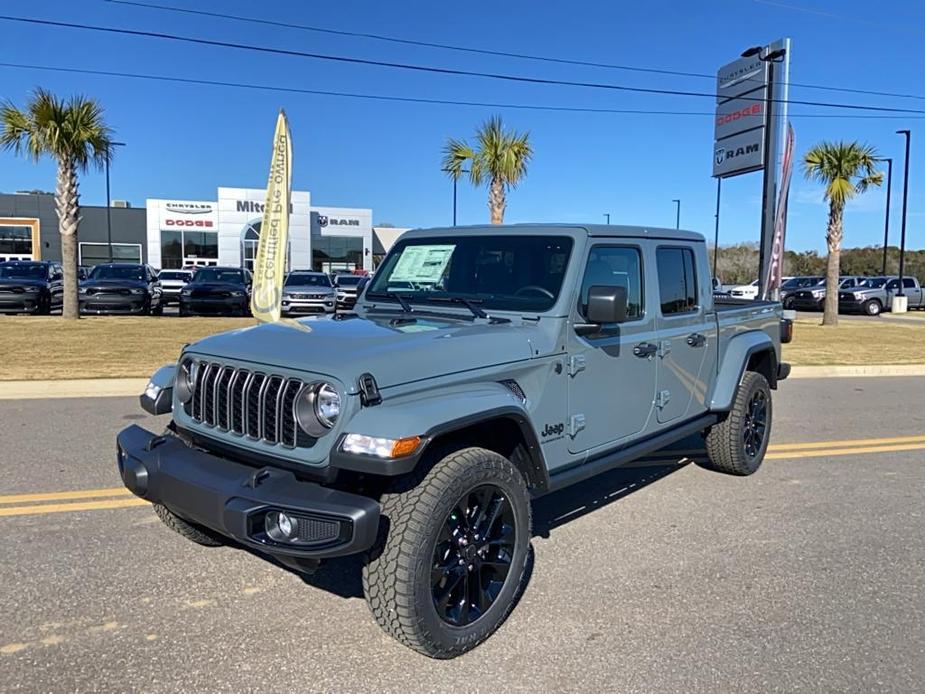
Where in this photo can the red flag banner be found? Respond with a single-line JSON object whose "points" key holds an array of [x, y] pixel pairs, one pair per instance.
{"points": [[775, 269]]}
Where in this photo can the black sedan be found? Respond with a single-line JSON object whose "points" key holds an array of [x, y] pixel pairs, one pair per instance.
{"points": [[127, 288], [30, 286], [217, 291]]}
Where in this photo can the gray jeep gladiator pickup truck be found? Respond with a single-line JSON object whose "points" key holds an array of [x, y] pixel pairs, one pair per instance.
{"points": [[482, 366]]}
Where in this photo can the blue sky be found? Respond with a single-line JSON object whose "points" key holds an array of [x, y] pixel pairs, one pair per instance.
{"points": [[185, 140]]}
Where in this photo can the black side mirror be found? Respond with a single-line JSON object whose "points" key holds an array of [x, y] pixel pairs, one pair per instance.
{"points": [[606, 304]]}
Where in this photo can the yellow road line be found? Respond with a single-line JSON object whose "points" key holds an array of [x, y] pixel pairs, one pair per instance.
{"points": [[79, 506], [845, 443], [62, 496], [817, 453]]}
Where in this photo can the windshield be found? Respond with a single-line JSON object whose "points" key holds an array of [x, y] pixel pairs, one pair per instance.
{"points": [[168, 275], [873, 282], [513, 273], [306, 279], [800, 282], [347, 280], [217, 274], [118, 272], [22, 271]]}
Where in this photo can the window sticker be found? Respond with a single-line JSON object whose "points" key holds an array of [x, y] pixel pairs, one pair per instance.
{"points": [[422, 264]]}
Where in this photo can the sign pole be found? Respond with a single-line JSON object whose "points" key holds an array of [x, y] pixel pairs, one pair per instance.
{"points": [[719, 188]]}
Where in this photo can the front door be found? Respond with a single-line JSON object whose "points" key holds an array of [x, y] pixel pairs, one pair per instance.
{"points": [[610, 387], [686, 335]]}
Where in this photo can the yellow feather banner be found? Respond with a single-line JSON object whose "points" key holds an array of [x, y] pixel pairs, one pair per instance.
{"points": [[270, 263]]}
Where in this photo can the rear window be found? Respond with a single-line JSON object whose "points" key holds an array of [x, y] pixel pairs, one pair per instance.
{"points": [[677, 283]]}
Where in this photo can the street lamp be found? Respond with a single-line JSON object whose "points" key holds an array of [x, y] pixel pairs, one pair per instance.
{"points": [[455, 179], [677, 221], [902, 234], [607, 217], [109, 204], [886, 224]]}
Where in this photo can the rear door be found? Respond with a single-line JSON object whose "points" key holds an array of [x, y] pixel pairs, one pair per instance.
{"points": [[610, 387], [686, 332]]}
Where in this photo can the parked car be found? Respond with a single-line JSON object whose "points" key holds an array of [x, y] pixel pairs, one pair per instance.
{"points": [[217, 291], [744, 291], [308, 292], [812, 298], [792, 285], [348, 287], [417, 432], [121, 288], [30, 286], [172, 282], [875, 295]]}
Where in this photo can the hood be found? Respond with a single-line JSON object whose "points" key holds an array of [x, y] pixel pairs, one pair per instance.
{"points": [[393, 352], [13, 282], [114, 284], [307, 289]]}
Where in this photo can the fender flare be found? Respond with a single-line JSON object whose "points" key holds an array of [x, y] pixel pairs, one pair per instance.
{"points": [[433, 416], [735, 360]]}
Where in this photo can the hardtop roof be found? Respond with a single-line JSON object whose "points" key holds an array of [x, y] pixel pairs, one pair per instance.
{"points": [[549, 229]]}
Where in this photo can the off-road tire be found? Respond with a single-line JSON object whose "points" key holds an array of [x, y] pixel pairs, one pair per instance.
{"points": [[724, 441], [196, 533], [397, 571], [872, 307]]}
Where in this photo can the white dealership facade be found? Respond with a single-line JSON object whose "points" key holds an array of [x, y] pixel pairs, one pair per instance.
{"points": [[225, 231]]}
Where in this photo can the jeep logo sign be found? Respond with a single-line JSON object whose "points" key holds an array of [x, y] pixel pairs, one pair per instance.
{"points": [[739, 154]]}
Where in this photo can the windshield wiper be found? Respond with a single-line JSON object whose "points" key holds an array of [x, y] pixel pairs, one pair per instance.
{"points": [[471, 304], [395, 296]]}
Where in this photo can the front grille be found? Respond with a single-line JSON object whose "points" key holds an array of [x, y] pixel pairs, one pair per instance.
{"points": [[247, 403], [209, 294]]}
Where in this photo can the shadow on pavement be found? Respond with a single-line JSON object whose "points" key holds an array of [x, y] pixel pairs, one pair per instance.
{"points": [[342, 576]]}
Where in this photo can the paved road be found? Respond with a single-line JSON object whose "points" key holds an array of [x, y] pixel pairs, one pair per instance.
{"points": [[807, 576]]}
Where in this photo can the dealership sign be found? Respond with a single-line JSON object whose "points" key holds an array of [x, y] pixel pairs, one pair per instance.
{"points": [[324, 220], [188, 207], [739, 154], [741, 117], [202, 223]]}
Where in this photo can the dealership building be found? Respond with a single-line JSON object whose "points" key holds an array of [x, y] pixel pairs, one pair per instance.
{"points": [[174, 233]]}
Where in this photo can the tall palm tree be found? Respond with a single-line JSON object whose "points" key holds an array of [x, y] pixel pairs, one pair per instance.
{"points": [[73, 132], [500, 157], [845, 169]]}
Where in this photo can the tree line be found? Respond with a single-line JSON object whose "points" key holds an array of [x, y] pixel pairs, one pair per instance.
{"points": [[738, 264]]}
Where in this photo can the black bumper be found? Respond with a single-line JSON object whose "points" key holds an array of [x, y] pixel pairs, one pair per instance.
{"points": [[808, 304], [19, 303], [113, 303], [853, 306], [232, 305], [233, 499]]}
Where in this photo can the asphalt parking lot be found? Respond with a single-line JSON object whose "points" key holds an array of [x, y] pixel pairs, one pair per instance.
{"points": [[665, 577]]}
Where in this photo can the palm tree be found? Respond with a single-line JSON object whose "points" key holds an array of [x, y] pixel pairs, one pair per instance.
{"points": [[500, 157], [845, 169], [73, 132]]}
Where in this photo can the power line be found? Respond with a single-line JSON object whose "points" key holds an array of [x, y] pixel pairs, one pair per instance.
{"points": [[406, 99], [485, 51], [432, 69]]}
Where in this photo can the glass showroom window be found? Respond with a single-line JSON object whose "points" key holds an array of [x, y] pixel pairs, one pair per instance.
{"points": [[96, 253], [183, 248], [337, 253], [15, 242]]}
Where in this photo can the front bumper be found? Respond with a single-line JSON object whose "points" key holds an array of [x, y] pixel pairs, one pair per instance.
{"points": [[113, 303], [215, 305], [851, 305], [307, 306], [19, 303], [802, 304], [233, 499]]}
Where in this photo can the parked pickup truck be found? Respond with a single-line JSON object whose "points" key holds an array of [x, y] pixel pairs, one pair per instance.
{"points": [[875, 295], [416, 430]]}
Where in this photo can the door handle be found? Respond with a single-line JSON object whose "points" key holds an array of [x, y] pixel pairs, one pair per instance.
{"points": [[696, 340], [646, 350]]}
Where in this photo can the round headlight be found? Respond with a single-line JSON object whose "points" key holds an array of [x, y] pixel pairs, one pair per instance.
{"points": [[327, 405], [317, 408], [185, 381]]}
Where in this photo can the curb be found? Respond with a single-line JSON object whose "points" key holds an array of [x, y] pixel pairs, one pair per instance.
{"points": [[125, 387]]}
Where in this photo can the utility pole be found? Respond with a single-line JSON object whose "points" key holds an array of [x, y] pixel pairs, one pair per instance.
{"points": [[902, 233], [719, 188], [455, 179], [607, 217], [889, 196], [677, 222]]}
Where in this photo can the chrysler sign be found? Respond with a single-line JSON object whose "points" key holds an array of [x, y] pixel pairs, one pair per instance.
{"points": [[188, 207]]}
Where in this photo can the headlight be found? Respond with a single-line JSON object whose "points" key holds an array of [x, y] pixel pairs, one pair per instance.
{"points": [[317, 409], [857, 295], [186, 292], [818, 292], [185, 381], [380, 447], [82, 290], [138, 291], [237, 293], [32, 290]]}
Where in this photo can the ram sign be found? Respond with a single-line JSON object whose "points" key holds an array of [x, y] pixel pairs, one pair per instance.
{"points": [[739, 154]]}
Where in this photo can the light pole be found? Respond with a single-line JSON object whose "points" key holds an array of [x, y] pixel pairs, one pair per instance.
{"points": [[886, 224], [109, 204], [677, 221], [455, 179], [607, 217], [719, 188], [902, 233]]}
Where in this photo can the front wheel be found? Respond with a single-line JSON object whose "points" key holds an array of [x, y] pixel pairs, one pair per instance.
{"points": [[449, 566], [737, 444], [872, 307]]}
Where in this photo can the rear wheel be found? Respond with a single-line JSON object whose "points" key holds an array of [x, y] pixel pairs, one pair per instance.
{"points": [[448, 569], [737, 445]]}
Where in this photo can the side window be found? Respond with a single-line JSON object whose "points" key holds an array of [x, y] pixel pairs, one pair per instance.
{"points": [[908, 283], [614, 266], [892, 284], [677, 284]]}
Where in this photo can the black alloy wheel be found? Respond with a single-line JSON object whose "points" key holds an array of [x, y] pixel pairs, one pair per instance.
{"points": [[473, 555], [755, 425]]}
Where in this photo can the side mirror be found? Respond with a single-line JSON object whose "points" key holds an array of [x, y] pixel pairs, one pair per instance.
{"points": [[606, 304]]}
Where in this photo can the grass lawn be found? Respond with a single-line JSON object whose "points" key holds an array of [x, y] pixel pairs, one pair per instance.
{"points": [[37, 347]]}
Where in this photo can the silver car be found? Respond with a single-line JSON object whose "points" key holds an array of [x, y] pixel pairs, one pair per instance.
{"points": [[308, 292], [172, 282]]}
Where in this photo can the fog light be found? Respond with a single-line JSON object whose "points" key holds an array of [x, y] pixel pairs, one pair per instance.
{"points": [[281, 527]]}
